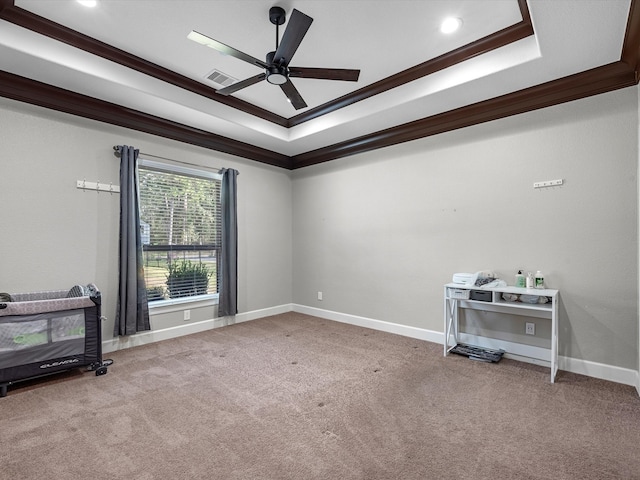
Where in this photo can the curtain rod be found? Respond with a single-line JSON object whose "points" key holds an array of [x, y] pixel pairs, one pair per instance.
{"points": [[116, 152]]}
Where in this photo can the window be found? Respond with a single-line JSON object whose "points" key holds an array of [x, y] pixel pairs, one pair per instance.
{"points": [[180, 226]]}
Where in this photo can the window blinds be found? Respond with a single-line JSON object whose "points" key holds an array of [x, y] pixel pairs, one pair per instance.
{"points": [[180, 226]]}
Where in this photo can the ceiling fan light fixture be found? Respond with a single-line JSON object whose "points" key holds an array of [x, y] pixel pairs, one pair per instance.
{"points": [[450, 24], [277, 75]]}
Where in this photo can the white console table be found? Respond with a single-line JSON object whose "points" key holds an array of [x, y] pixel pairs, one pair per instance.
{"points": [[495, 302]]}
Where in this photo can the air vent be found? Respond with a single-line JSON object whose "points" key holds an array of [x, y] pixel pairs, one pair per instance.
{"points": [[220, 78]]}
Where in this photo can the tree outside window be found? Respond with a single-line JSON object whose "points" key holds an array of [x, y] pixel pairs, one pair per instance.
{"points": [[180, 221]]}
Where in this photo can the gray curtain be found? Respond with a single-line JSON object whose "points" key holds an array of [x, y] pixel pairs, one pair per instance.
{"points": [[228, 286], [132, 313]]}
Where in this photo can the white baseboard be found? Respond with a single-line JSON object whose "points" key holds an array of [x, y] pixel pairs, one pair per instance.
{"points": [[625, 376], [264, 312], [413, 332], [521, 352], [151, 336], [518, 351]]}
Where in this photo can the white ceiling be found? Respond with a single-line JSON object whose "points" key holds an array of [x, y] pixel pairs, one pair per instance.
{"points": [[381, 38]]}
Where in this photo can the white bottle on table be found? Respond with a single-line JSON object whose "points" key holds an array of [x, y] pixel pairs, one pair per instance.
{"points": [[529, 283], [539, 279]]}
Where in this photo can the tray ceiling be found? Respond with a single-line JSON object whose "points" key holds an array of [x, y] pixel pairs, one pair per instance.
{"points": [[130, 63]]}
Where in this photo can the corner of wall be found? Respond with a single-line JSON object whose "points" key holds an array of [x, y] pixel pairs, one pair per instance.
{"points": [[638, 235]]}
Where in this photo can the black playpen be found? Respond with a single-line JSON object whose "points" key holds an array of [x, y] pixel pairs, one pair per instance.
{"points": [[49, 332]]}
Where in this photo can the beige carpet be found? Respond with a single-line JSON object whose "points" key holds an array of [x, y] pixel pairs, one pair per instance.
{"points": [[297, 397]]}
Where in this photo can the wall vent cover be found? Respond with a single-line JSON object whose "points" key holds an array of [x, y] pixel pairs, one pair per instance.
{"points": [[221, 78]]}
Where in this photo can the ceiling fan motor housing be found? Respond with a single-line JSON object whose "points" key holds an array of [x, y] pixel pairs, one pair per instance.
{"points": [[277, 74]]}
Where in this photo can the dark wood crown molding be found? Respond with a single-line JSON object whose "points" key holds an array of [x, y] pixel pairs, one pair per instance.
{"points": [[599, 80], [631, 47], [499, 39], [43, 26], [44, 95], [621, 74]]}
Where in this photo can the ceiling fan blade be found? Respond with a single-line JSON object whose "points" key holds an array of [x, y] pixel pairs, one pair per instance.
{"points": [[293, 95], [241, 84], [296, 29], [343, 74], [224, 49]]}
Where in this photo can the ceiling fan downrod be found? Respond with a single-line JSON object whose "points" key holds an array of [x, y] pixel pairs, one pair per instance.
{"points": [[277, 74], [277, 16]]}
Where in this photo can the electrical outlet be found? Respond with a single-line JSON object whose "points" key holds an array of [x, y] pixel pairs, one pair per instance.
{"points": [[319, 295], [530, 328], [187, 315]]}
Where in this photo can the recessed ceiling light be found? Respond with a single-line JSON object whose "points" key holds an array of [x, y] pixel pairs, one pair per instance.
{"points": [[450, 25], [88, 3]]}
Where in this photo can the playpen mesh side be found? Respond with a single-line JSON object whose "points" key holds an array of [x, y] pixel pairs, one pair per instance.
{"points": [[73, 340], [48, 332], [36, 338]]}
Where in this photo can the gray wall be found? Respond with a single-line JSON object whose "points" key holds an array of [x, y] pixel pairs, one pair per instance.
{"points": [[380, 233], [54, 235]]}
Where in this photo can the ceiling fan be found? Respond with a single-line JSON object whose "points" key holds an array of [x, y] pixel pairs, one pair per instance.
{"points": [[277, 68]]}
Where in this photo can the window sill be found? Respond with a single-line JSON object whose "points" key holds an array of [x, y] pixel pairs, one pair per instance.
{"points": [[179, 304]]}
